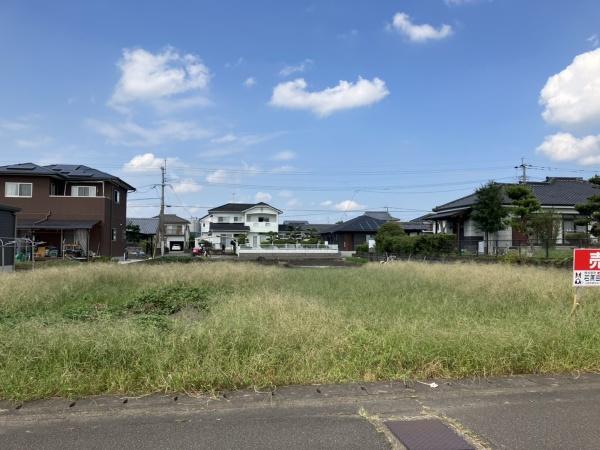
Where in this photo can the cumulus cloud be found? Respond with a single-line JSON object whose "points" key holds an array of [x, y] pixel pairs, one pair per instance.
{"points": [[218, 176], [263, 197], [285, 155], [130, 133], [348, 205], [346, 95], [186, 186], [297, 68], [566, 147], [572, 96], [146, 162], [147, 76], [403, 24], [249, 82]]}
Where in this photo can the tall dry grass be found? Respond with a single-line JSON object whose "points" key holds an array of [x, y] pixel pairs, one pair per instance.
{"points": [[66, 331]]}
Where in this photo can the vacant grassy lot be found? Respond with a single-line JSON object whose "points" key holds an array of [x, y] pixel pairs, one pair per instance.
{"points": [[134, 329]]}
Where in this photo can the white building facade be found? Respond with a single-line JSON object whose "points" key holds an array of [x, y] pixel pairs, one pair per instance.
{"points": [[251, 223]]}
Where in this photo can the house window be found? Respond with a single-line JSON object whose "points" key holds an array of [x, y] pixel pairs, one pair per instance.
{"points": [[263, 219], [114, 234], [117, 196], [18, 189], [221, 219], [235, 218], [83, 191]]}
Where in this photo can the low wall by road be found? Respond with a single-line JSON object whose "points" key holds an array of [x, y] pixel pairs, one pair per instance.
{"points": [[287, 253]]}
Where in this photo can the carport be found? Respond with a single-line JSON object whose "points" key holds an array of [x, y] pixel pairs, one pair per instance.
{"points": [[58, 232]]}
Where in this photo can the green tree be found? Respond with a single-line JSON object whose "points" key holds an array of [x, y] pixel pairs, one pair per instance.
{"points": [[388, 235], [488, 213], [524, 205], [590, 211], [132, 233], [546, 226]]}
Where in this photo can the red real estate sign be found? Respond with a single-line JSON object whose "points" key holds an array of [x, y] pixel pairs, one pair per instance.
{"points": [[586, 267]]}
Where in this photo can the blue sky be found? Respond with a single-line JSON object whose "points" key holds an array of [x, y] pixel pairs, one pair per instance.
{"points": [[323, 109]]}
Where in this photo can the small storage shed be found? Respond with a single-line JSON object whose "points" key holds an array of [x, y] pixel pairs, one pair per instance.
{"points": [[8, 233]]}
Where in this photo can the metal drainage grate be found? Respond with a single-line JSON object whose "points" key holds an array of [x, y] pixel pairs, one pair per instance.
{"points": [[427, 434]]}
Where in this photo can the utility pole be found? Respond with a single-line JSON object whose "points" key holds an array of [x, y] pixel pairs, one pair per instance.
{"points": [[161, 216], [523, 167]]}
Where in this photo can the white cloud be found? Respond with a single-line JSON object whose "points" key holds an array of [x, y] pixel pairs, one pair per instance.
{"points": [[130, 133], [286, 194], [326, 203], [181, 104], [418, 33], [348, 205], [218, 176], [263, 197], [146, 162], [346, 95], [34, 142], [572, 97], [283, 169], [594, 40], [285, 155], [566, 147], [249, 82], [186, 186], [297, 68], [13, 125], [293, 202], [225, 139], [147, 76]]}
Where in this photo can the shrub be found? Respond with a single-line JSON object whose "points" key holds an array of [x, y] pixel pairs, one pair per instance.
{"points": [[362, 248], [168, 299]]}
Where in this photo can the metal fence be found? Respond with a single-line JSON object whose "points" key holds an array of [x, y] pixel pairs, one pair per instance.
{"points": [[475, 248], [16, 250]]}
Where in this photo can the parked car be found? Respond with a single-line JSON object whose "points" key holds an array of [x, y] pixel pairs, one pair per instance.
{"points": [[176, 248]]}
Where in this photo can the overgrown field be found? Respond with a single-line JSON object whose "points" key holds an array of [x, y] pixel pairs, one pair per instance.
{"points": [[103, 328]]}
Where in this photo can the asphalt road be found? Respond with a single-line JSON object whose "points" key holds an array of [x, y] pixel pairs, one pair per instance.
{"points": [[509, 413]]}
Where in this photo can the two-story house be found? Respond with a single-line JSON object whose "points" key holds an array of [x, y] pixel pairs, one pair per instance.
{"points": [[253, 221], [67, 205], [177, 230]]}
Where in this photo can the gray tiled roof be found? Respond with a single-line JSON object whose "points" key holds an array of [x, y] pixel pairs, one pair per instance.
{"points": [[70, 172], [148, 225], [173, 218], [360, 224], [238, 207], [380, 215], [554, 191]]}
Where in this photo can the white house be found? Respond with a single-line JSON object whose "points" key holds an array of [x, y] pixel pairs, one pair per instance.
{"points": [[253, 221]]}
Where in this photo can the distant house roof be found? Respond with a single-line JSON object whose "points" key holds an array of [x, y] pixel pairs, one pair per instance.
{"points": [[216, 226], [68, 172], [148, 225], [554, 191], [173, 218], [380, 215], [360, 224], [239, 207], [416, 226]]}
